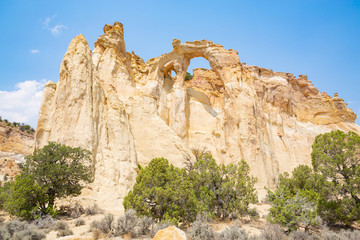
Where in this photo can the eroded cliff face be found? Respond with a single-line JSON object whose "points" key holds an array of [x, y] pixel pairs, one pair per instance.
{"points": [[127, 111]]}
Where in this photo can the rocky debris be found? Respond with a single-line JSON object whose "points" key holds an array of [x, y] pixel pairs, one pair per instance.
{"points": [[127, 112], [168, 233]]}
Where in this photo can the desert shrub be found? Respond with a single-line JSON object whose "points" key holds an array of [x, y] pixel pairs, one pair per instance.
{"points": [[30, 233], [341, 235], [62, 229], [233, 233], [79, 222], [144, 226], [156, 227], [16, 230], [302, 236], [93, 210], [127, 223], [65, 232], [77, 211], [201, 230], [45, 222], [349, 234], [104, 225], [273, 232]]}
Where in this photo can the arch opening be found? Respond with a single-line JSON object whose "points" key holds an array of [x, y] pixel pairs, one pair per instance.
{"points": [[198, 62]]}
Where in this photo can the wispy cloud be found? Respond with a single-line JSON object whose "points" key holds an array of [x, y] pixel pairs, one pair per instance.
{"points": [[54, 29], [22, 104], [57, 29], [34, 51]]}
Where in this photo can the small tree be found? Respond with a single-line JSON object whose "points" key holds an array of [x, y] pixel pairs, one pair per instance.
{"points": [[59, 169], [167, 193], [336, 156], [53, 171]]}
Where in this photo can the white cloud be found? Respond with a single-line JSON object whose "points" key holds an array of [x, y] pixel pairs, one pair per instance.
{"points": [[34, 51], [55, 30], [22, 104]]}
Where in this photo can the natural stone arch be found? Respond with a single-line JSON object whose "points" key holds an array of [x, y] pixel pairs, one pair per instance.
{"points": [[179, 60]]}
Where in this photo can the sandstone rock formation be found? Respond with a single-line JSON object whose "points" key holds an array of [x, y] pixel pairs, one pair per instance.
{"points": [[127, 111], [168, 233]]}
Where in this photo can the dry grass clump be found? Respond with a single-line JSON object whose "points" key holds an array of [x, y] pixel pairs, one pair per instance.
{"points": [[46, 222], [342, 235], [79, 222], [273, 232], [201, 229], [127, 225], [233, 233], [16, 230], [77, 211], [62, 229], [104, 226], [93, 210], [303, 236]]}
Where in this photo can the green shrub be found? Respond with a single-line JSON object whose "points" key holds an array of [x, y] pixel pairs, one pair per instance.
{"points": [[330, 190], [222, 190], [24, 198], [162, 192], [188, 76]]}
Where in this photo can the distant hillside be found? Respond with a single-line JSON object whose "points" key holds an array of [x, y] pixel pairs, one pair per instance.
{"points": [[16, 141]]}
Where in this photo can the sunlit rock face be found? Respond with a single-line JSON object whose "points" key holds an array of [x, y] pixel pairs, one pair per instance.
{"points": [[127, 111]]}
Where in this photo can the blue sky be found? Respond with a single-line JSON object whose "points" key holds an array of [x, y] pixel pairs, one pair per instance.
{"points": [[318, 38]]}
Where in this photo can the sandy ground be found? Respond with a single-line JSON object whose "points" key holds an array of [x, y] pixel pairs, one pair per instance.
{"points": [[252, 225]]}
